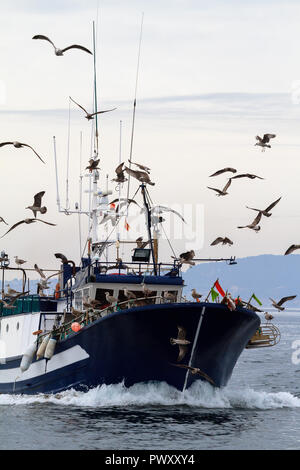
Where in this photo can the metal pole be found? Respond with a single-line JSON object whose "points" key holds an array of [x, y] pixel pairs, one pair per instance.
{"points": [[194, 346]]}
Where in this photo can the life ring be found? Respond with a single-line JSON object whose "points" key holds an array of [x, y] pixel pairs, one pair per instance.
{"points": [[57, 291]]}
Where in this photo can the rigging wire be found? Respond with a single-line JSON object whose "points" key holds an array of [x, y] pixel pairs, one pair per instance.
{"points": [[134, 104], [68, 157]]}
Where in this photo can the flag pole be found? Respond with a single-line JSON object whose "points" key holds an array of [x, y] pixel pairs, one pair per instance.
{"points": [[248, 303], [209, 294]]}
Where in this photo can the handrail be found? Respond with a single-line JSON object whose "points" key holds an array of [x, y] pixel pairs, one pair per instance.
{"points": [[100, 313]]}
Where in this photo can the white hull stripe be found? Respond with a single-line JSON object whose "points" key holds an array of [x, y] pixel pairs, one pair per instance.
{"points": [[58, 361]]}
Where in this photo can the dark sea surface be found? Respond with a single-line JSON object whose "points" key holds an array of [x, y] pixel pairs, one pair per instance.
{"points": [[259, 409]]}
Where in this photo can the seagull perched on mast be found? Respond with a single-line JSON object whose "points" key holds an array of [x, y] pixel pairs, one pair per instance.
{"points": [[60, 52], [19, 261], [27, 221], [93, 165], [37, 203], [263, 142], [266, 212], [19, 145], [90, 116]]}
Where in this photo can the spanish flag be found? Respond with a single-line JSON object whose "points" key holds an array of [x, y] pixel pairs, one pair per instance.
{"points": [[219, 288]]}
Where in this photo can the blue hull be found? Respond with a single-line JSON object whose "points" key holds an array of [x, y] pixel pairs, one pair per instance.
{"points": [[134, 346]]}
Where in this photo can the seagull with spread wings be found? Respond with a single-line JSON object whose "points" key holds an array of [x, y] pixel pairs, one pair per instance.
{"points": [[196, 370], [281, 301], [247, 175], [181, 342], [60, 52], [19, 145], [222, 192], [90, 116], [224, 170], [93, 165], [263, 142], [266, 212], [160, 209], [141, 176], [2, 220], [254, 226], [224, 241], [141, 167], [27, 221], [37, 204], [120, 174], [291, 249]]}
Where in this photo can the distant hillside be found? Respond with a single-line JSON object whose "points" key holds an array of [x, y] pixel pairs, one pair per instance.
{"points": [[16, 284], [265, 275]]}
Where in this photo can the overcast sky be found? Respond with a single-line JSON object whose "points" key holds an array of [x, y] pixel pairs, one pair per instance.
{"points": [[213, 75]]}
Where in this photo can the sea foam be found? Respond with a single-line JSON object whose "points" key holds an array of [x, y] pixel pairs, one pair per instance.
{"points": [[200, 395]]}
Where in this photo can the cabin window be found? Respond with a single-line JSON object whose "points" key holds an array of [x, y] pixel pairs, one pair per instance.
{"points": [[139, 295], [7, 328], [78, 300], [18, 326], [170, 295], [101, 296]]}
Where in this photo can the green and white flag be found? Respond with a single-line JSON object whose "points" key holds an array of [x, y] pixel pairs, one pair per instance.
{"points": [[257, 300], [214, 294]]}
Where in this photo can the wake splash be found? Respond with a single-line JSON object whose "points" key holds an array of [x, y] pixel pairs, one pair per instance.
{"points": [[200, 394]]}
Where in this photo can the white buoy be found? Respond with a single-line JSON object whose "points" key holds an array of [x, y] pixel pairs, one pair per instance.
{"points": [[50, 348], [42, 347], [28, 357]]}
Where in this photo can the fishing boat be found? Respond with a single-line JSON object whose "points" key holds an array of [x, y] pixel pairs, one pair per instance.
{"points": [[111, 320]]}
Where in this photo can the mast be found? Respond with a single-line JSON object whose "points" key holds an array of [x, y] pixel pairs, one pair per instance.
{"points": [[148, 219]]}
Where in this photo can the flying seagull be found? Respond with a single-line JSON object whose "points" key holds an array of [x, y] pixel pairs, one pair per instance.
{"points": [[291, 249], [224, 241], [141, 176], [263, 142], [222, 192], [181, 342], [281, 301], [141, 167], [224, 170], [39, 271], [266, 212], [161, 209], [37, 204], [60, 52], [196, 370], [27, 221], [19, 145], [120, 174], [90, 116], [2, 220], [247, 175], [254, 226]]}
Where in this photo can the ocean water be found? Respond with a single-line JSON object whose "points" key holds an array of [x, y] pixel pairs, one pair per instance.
{"points": [[259, 409]]}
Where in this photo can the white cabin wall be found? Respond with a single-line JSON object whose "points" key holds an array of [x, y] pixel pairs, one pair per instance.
{"points": [[15, 341]]}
